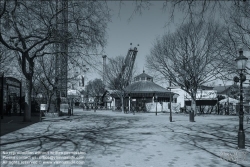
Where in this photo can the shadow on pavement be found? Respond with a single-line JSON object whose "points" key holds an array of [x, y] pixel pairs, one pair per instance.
{"points": [[12, 123]]}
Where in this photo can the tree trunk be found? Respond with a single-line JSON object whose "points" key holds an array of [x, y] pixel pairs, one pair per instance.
{"points": [[218, 108], [193, 110], [49, 100], [58, 102], [122, 104], [27, 110]]}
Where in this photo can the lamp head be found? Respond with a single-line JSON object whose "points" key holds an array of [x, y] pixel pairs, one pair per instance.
{"points": [[241, 61], [243, 78], [236, 79]]}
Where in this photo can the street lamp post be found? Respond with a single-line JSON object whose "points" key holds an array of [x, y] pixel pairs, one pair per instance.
{"points": [[241, 65], [129, 102], [170, 107], [169, 88], [144, 104]]}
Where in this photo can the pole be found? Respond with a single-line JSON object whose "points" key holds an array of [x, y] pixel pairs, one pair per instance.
{"points": [[20, 102], [170, 117], [104, 69], [218, 106], [241, 133], [144, 104], [156, 106], [72, 106], [129, 104], [95, 104]]}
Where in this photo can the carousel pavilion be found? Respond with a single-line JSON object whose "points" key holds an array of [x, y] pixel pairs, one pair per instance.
{"points": [[143, 90]]}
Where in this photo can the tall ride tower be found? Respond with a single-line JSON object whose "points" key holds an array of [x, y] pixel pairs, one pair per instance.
{"points": [[62, 48]]}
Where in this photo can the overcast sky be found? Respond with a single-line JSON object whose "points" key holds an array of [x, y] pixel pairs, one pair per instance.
{"points": [[141, 29]]}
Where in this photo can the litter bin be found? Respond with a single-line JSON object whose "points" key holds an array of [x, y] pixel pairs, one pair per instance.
{"points": [[191, 116]]}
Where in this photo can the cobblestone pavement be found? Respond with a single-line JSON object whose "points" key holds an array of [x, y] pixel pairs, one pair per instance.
{"points": [[114, 139]]}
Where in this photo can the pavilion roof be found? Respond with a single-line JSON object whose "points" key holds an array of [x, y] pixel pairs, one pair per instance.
{"points": [[143, 76], [145, 87]]}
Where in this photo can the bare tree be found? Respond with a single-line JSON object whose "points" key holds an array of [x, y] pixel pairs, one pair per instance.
{"points": [[236, 35], [115, 80], [238, 18], [3, 58], [192, 9], [113, 69], [7, 61], [96, 89], [30, 29], [188, 57], [44, 77]]}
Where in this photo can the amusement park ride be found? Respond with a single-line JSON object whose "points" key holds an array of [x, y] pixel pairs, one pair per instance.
{"points": [[62, 60], [125, 74], [61, 49], [127, 68]]}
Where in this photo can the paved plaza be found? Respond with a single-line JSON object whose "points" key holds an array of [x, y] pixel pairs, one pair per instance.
{"points": [[115, 139]]}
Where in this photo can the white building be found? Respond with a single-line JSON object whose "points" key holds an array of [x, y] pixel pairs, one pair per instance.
{"points": [[205, 95], [181, 93]]}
